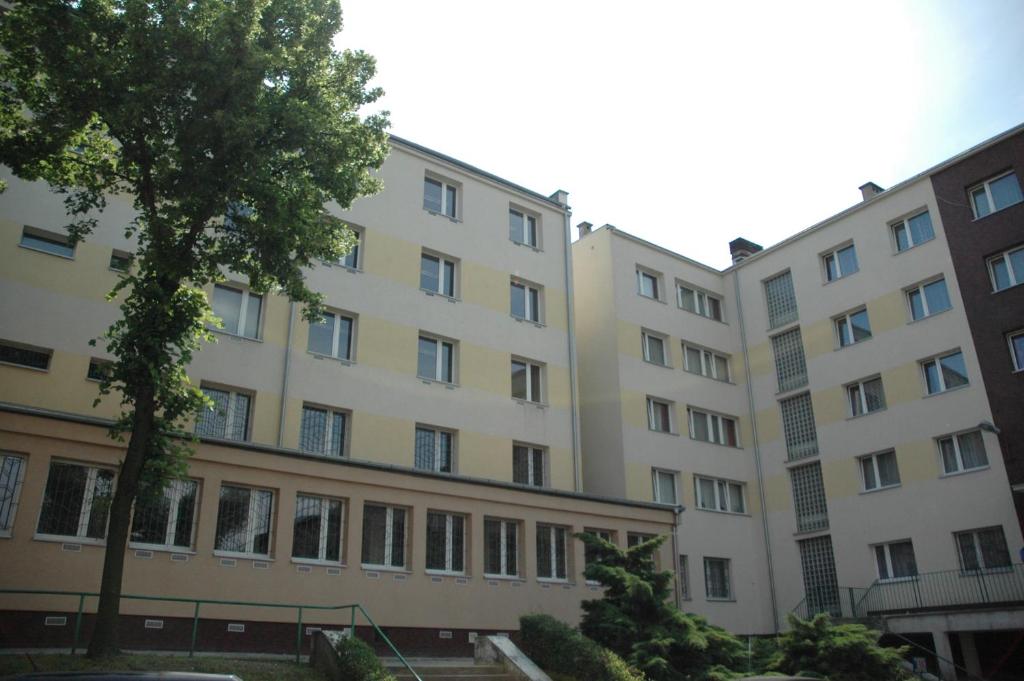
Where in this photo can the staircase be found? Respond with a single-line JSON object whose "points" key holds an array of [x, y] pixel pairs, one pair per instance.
{"points": [[447, 669]]}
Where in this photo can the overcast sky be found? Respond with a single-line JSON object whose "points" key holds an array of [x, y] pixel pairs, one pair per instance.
{"points": [[692, 123]]}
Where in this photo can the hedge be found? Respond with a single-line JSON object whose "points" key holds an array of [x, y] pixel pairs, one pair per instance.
{"points": [[358, 662], [557, 647]]}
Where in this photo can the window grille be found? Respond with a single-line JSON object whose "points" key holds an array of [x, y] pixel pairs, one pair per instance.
{"points": [[433, 450], [229, 417], [317, 531], [23, 356], [781, 300], [790, 364], [167, 517], [528, 465], [501, 548], [11, 472], [76, 501], [244, 520], [717, 580], [551, 552], [821, 588], [589, 553], [809, 498], [322, 431], [445, 542], [684, 577], [383, 536], [798, 424]]}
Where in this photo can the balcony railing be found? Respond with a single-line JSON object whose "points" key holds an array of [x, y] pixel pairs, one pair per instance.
{"points": [[839, 602], [946, 590]]}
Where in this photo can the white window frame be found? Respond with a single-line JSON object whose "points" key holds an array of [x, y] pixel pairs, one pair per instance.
{"points": [[960, 468], [904, 224], [641, 273], [437, 432], [669, 408], [505, 526], [172, 522], [886, 549], [449, 544], [357, 251], [727, 562], [723, 494], [229, 420], [29, 348], [329, 429], [46, 236], [701, 298], [553, 529], [442, 261], [937, 361], [389, 536], [656, 475], [876, 469], [243, 312], [1018, 361], [85, 510], [531, 222], [250, 539], [715, 423], [708, 367], [533, 313], [919, 289], [646, 337], [862, 399], [324, 531], [447, 209], [531, 389], [15, 484], [834, 255], [987, 186], [531, 467], [1005, 256], [847, 319], [336, 337], [439, 344], [978, 553]]}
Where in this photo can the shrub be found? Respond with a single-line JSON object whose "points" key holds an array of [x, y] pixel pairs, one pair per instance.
{"points": [[840, 652], [558, 648], [358, 662]]}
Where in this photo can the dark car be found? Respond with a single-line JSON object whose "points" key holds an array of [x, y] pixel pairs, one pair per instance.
{"points": [[121, 676]]}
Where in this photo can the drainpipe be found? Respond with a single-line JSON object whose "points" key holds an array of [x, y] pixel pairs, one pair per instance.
{"points": [[284, 378], [676, 513], [577, 474], [757, 454]]}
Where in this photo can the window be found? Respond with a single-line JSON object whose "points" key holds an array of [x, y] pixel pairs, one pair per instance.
{"points": [[120, 261], [25, 355], [436, 360], [664, 487], [98, 369], [944, 373], [323, 431], [383, 536], [528, 465], [229, 416], [637, 538], [781, 300], [684, 577], [866, 396], [928, 299], [437, 274], [913, 231], [853, 327], [351, 259], [1007, 269], [648, 284], [47, 242], [818, 564], [244, 520], [12, 472], [527, 380], [446, 542], [717, 580], [879, 471], [1016, 341], [551, 552], [714, 494], [332, 336], [699, 302], [809, 498], [166, 520], [434, 449], [995, 194], [798, 424], [589, 558], [654, 348], [238, 310], [963, 452], [895, 560], [713, 428], [317, 531], [659, 415], [440, 197], [522, 228], [501, 548], [525, 301], [790, 362], [697, 360], [983, 549], [76, 501], [840, 263]]}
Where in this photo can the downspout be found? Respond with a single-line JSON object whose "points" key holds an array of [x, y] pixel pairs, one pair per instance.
{"points": [[284, 378], [577, 474], [676, 513], [757, 454]]}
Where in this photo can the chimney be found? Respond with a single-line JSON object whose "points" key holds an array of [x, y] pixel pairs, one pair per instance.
{"points": [[869, 190], [584, 228], [741, 249], [561, 197]]}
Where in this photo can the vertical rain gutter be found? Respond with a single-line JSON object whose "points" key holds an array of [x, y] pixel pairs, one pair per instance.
{"points": [[284, 378], [573, 380], [757, 453]]}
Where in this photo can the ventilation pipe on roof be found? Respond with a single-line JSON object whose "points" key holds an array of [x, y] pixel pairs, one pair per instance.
{"points": [[584, 228], [870, 190], [741, 249]]}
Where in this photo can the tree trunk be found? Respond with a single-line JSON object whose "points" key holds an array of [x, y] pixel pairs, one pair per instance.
{"points": [[104, 642]]}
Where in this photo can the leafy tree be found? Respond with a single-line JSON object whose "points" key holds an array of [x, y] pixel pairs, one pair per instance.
{"points": [[637, 620], [840, 652], [230, 124]]}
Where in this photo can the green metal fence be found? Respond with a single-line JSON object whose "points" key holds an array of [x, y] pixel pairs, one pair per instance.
{"points": [[300, 608]]}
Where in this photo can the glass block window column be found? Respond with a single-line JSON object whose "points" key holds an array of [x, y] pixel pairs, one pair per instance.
{"points": [[809, 498], [819, 567], [798, 424], [790, 363], [781, 300]]}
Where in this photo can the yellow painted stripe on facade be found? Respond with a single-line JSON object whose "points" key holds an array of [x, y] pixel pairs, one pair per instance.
{"points": [[629, 339], [63, 388], [391, 258], [638, 481]]}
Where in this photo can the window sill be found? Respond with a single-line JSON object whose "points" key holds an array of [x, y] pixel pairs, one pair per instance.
{"points": [[913, 246], [802, 461], [505, 578], [838, 279], [717, 444], [882, 488], [161, 548], [930, 316], [384, 568], [353, 270], [710, 378], [316, 561], [966, 471], [243, 556], [698, 314], [788, 392], [658, 364], [719, 511], [898, 580], [530, 403], [438, 294], [433, 381], [39, 250], [655, 300], [445, 573], [61, 539], [1008, 288], [853, 344], [663, 432], [947, 390], [236, 336], [524, 320], [443, 215], [553, 580], [812, 533], [782, 328], [22, 366], [339, 360], [712, 599], [866, 414], [535, 249], [976, 219], [117, 271]]}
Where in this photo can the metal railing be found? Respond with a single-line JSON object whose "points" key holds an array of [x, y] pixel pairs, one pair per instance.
{"points": [[948, 589], [197, 602], [839, 602]]}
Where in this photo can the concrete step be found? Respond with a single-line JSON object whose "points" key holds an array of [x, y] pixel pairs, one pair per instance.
{"points": [[447, 669]]}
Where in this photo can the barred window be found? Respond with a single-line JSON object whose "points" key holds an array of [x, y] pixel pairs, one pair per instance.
{"points": [[166, 519], [714, 494], [717, 579], [790, 364], [637, 538], [331, 336], [383, 536], [589, 556], [528, 465], [446, 542], [229, 416], [318, 527], [433, 449], [809, 498], [866, 396], [47, 242], [798, 424], [963, 452], [323, 431], [25, 356], [983, 549], [76, 502], [821, 589], [12, 472], [781, 299], [551, 552], [244, 520], [684, 577], [501, 548]]}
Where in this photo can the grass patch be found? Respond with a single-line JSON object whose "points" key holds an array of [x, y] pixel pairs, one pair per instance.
{"points": [[248, 670]]}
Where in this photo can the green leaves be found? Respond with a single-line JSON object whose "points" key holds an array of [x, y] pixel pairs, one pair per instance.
{"points": [[840, 652]]}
